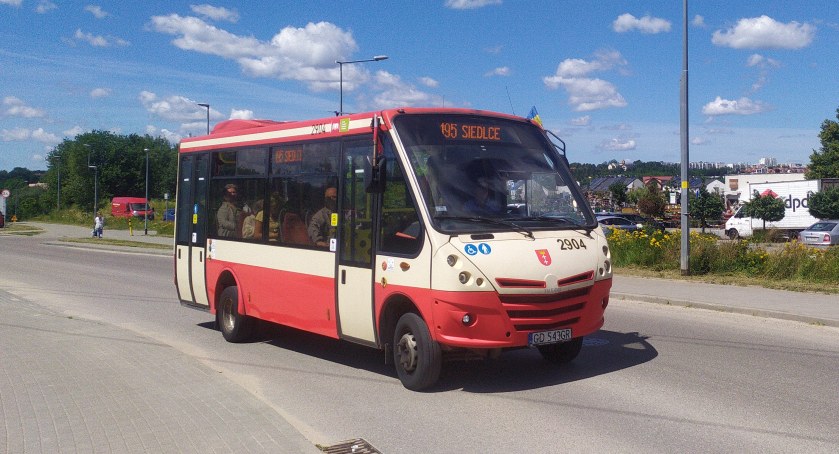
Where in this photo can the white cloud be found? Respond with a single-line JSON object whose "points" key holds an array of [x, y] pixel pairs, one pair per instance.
{"points": [[97, 11], [44, 6], [45, 137], [15, 107], [494, 49], [21, 134], [11, 2], [429, 82], [305, 54], [617, 144], [100, 93], [581, 121], [698, 21], [648, 25], [99, 41], [470, 4], [742, 106], [177, 108], [215, 12], [698, 140], [14, 135], [397, 93], [586, 93], [171, 136], [762, 62], [765, 33], [500, 71], [73, 132], [243, 114]]}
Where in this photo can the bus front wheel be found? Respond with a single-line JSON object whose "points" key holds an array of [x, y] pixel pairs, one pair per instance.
{"points": [[235, 327], [562, 353], [417, 356]]}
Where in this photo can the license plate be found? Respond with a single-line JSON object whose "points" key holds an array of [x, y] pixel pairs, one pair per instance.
{"points": [[549, 337]]}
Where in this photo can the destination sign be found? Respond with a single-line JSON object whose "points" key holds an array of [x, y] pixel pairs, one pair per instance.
{"points": [[282, 156], [456, 131]]}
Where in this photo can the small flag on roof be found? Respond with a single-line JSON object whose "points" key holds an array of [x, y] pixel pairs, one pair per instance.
{"points": [[534, 115]]}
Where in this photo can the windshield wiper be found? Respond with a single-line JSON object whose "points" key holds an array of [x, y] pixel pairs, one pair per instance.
{"points": [[576, 225], [503, 222]]}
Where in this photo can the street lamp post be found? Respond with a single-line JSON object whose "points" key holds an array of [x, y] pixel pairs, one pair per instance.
{"points": [[146, 212], [341, 75], [207, 106], [58, 186], [95, 181]]}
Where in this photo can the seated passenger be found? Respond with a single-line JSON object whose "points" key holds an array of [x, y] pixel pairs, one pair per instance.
{"points": [[320, 226], [228, 213]]}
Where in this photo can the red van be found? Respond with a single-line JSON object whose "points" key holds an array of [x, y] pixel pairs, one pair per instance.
{"points": [[124, 207]]}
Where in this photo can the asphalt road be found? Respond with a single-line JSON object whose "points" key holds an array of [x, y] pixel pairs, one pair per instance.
{"points": [[656, 378]]}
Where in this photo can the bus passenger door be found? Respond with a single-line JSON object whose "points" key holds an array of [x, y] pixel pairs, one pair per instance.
{"points": [[355, 236], [191, 237]]}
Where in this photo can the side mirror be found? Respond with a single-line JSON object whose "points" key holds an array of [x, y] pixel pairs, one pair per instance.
{"points": [[376, 176]]}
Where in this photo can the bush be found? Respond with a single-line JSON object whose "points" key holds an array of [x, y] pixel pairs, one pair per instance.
{"points": [[708, 254]]}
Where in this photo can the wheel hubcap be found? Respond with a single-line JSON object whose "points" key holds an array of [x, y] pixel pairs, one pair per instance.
{"points": [[407, 351]]}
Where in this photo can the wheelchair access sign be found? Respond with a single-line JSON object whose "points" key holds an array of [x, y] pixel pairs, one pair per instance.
{"points": [[474, 249]]}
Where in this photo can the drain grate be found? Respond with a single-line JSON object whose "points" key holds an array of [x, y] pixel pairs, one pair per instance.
{"points": [[354, 446]]}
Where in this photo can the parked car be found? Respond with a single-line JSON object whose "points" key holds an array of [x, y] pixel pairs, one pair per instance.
{"points": [[617, 222], [169, 214], [638, 219], [822, 233]]}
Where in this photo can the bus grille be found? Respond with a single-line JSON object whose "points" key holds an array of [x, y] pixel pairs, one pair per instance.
{"points": [[542, 312]]}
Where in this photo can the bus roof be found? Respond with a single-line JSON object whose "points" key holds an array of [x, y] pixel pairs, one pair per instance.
{"points": [[259, 132]]}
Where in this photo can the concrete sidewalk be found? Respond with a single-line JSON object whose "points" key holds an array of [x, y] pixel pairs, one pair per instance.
{"points": [[76, 385], [805, 307]]}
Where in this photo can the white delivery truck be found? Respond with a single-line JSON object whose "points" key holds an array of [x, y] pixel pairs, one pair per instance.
{"points": [[796, 196]]}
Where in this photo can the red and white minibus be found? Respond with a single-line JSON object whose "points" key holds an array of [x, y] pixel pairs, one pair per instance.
{"points": [[417, 231]]}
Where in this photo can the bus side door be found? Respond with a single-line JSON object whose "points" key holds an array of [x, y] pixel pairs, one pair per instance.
{"points": [[355, 247], [191, 230]]}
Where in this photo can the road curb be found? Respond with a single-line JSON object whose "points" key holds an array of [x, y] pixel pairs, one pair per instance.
{"points": [[723, 308], [139, 250]]}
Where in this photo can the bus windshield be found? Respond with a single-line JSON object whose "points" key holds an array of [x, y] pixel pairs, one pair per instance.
{"points": [[489, 174]]}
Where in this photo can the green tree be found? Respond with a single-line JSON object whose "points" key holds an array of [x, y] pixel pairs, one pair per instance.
{"points": [[765, 207], [825, 204], [651, 201], [824, 163], [120, 165], [618, 192], [705, 206]]}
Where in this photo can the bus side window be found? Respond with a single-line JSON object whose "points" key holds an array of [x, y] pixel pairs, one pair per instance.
{"points": [[401, 231]]}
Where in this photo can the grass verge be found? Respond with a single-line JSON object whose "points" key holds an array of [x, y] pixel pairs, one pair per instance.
{"points": [[123, 243]]}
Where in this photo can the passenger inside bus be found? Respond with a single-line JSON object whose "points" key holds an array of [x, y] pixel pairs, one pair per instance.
{"points": [[273, 219], [320, 226], [227, 216]]}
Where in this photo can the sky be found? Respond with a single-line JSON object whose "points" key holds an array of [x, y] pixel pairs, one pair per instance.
{"points": [[604, 75]]}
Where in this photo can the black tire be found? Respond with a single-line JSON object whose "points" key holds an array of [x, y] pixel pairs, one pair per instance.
{"points": [[562, 353], [417, 357], [234, 326], [732, 234]]}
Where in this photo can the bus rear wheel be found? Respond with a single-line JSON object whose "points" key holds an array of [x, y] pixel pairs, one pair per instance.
{"points": [[235, 327], [562, 353], [417, 356]]}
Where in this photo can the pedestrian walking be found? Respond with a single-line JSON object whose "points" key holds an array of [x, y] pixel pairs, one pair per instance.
{"points": [[98, 225]]}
